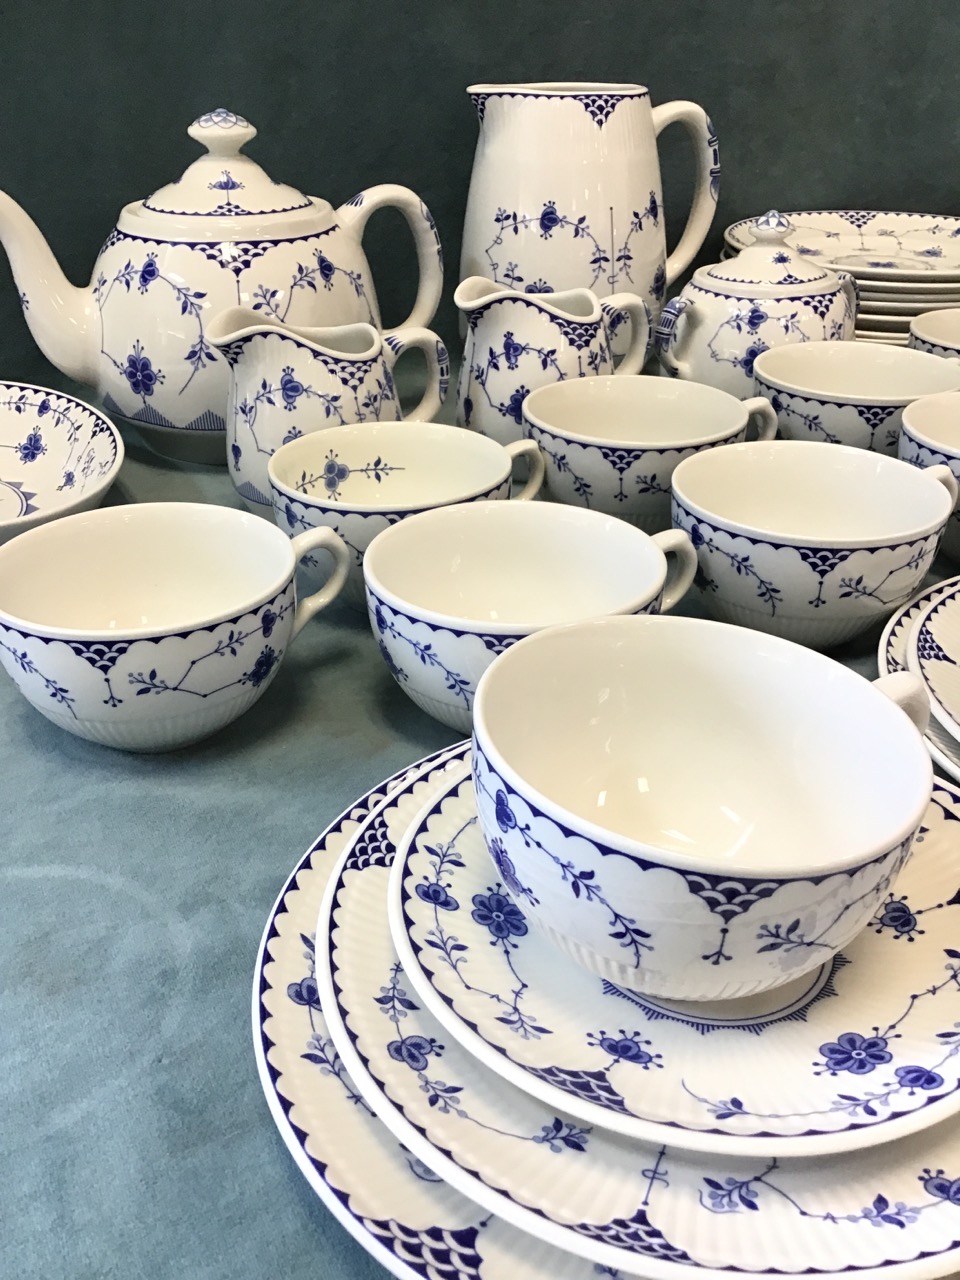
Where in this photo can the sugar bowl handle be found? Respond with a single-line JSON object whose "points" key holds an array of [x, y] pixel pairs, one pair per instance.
{"points": [[909, 693], [638, 312], [312, 540], [676, 543]]}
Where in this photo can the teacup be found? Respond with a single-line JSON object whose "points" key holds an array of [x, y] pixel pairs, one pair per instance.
{"points": [[449, 589], [703, 874], [930, 437], [937, 332], [811, 541], [359, 479], [612, 443], [148, 627], [848, 392]]}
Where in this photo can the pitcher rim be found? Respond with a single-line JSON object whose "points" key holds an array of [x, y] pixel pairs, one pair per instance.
{"points": [[558, 89]]}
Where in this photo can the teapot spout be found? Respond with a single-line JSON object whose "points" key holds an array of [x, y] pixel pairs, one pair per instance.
{"points": [[59, 315]]}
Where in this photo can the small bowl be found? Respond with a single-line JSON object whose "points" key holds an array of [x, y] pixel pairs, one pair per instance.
{"points": [[449, 589], [930, 437], [360, 479], [937, 332], [148, 627], [693, 810], [848, 392], [58, 454], [612, 443], [813, 542]]}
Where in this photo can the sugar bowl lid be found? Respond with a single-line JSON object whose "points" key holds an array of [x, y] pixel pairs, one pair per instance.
{"points": [[770, 267]]}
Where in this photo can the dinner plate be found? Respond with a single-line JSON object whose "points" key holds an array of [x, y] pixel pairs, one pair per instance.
{"points": [[933, 653], [776, 1076], [394, 1205], [873, 245], [892, 656], [918, 289], [624, 1204], [875, 335], [870, 307]]}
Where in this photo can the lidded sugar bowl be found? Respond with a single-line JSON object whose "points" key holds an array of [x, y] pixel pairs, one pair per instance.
{"points": [[768, 295]]}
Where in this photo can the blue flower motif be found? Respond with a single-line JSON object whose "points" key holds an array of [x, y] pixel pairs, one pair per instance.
{"points": [[913, 1078], [148, 273], [512, 350], [625, 1048], [380, 619], [549, 219], [748, 357], [936, 1184], [659, 285], [856, 1054], [326, 269], [140, 373], [896, 915], [235, 452], [397, 672], [781, 258], [538, 286], [69, 479], [32, 447], [268, 621], [696, 536], [414, 1051], [304, 992], [504, 814], [44, 407], [290, 388], [261, 668], [334, 473], [754, 318], [514, 406], [290, 516], [437, 896], [504, 864], [495, 911], [467, 410]]}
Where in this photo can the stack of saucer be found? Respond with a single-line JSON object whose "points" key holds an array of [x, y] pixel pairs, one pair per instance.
{"points": [[904, 263], [475, 1104]]}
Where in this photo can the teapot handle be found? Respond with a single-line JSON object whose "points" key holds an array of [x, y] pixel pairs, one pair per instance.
{"points": [[632, 306], [425, 237], [698, 125], [438, 367], [667, 336]]}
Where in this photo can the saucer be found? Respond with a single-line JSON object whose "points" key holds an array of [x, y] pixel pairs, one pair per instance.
{"points": [[776, 1074], [933, 653], [623, 1204], [406, 1217], [892, 656]]}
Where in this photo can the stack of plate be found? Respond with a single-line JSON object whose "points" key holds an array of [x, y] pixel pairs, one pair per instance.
{"points": [[472, 1105], [904, 263]]}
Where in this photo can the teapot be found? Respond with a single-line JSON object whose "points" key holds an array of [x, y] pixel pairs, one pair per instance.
{"points": [[766, 296], [222, 235]]}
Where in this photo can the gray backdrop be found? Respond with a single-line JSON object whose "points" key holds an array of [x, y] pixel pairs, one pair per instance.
{"points": [[817, 105]]}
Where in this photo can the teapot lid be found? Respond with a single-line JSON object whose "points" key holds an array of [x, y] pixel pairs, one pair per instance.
{"points": [[770, 267]]}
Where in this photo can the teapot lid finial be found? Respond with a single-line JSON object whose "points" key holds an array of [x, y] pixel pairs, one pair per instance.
{"points": [[771, 228], [222, 132]]}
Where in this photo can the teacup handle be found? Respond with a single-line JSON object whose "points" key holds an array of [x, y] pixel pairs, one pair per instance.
{"points": [[947, 479], [438, 367], [531, 450], [910, 695], [639, 314], [759, 407], [676, 543], [324, 539]]}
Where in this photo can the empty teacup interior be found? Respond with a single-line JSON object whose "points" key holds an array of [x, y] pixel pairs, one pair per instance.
{"points": [[865, 372], [138, 570], [812, 491], [635, 411], [935, 420], [526, 564], [941, 328], [390, 466], [798, 762]]}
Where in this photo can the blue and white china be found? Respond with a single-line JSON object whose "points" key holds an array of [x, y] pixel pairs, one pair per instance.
{"points": [[360, 479], [286, 382], [633, 1207], [766, 297], [877, 246], [892, 656], [937, 332], [813, 542], [612, 443], [807, 797], [406, 1217], [930, 437], [565, 191], [57, 456], [848, 392], [451, 588], [516, 342], [767, 1078], [148, 627], [933, 653], [222, 234]]}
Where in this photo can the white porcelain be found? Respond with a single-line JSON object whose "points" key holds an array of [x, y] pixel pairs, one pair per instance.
{"points": [[565, 191], [930, 437], [767, 296], [286, 382], [913, 290], [933, 653], [359, 480], [630, 1207], [878, 246], [848, 392], [807, 797], [148, 627], [937, 332], [892, 656], [517, 342], [612, 443], [666, 1071], [58, 455], [809, 541], [449, 589], [222, 234]]}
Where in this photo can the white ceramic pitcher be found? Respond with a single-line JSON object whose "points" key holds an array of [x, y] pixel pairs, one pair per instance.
{"points": [[566, 193]]}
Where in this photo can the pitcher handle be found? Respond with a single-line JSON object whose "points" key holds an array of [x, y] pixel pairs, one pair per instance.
{"points": [[438, 367], [425, 237], [640, 320], [703, 135]]}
